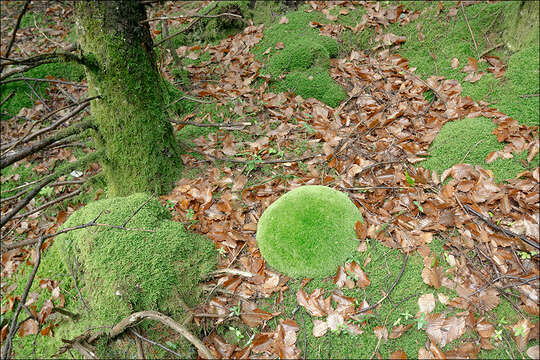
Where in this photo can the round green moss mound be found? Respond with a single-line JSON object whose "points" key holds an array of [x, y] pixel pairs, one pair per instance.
{"points": [[309, 231], [123, 271]]}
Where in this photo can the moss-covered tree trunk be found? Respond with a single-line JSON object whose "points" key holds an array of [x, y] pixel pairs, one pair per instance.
{"points": [[133, 127]]}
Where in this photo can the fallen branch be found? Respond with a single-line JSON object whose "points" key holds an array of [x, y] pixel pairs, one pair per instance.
{"points": [[10, 158], [189, 98], [470, 30], [165, 320], [52, 81], [7, 97], [528, 95], [232, 272], [156, 344], [255, 162], [191, 16], [506, 232], [49, 203], [405, 257], [225, 126], [17, 24]]}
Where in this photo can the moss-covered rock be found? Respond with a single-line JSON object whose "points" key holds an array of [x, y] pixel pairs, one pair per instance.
{"points": [[123, 271], [309, 231]]}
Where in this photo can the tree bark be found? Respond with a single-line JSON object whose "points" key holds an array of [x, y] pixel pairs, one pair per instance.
{"points": [[141, 153]]}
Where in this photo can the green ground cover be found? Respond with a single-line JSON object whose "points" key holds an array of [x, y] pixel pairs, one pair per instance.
{"points": [[308, 231]]}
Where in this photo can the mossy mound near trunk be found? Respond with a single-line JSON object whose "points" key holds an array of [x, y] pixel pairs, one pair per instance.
{"points": [[123, 271]]}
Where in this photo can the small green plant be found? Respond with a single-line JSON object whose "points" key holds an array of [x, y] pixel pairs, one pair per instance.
{"points": [[170, 205], [421, 322], [221, 251], [497, 335], [418, 205], [520, 330], [237, 332], [190, 216], [235, 310], [410, 180], [525, 255], [46, 191]]}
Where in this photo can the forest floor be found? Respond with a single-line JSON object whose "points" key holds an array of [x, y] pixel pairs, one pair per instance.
{"points": [[415, 110]]}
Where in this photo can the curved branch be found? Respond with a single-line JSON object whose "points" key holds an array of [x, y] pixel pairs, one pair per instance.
{"points": [[165, 320], [9, 159]]}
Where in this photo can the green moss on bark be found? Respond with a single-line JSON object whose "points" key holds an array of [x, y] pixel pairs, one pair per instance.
{"points": [[141, 153]]}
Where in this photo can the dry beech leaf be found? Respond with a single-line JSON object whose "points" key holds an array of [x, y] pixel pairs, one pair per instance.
{"points": [[399, 330], [454, 63], [319, 327], [381, 332], [426, 303], [29, 327], [485, 329], [534, 352], [399, 354]]}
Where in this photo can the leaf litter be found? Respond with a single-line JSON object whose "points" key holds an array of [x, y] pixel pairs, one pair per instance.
{"points": [[370, 143]]}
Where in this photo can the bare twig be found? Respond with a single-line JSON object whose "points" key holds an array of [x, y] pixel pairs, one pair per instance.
{"points": [[139, 344], [47, 180], [255, 162], [52, 81], [528, 95], [226, 126], [506, 232], [189, 26], [470, 149], [17, 24], [7, 97], [156, 344], [189, 98], [191, 16], [232, 272], [405, 257], [165, 320], [49, 203], [470, 30], [13, 156]]}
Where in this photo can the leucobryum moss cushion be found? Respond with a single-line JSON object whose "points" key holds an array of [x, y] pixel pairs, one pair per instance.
{"points": [[309, 231]]}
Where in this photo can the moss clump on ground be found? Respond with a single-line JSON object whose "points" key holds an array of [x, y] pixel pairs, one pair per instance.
{"points": [[449, 148], [301, 66], [309, 231], [130, 270]]}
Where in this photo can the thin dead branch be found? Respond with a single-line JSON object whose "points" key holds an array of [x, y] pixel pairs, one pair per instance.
{"points": [[52, 81], [47, 180], [405, 257], [188, 27], [470, 30], [192, 16], [49, 203], [155, 343], [165, 320], [17, 24], [506, 232], [13, 156]]}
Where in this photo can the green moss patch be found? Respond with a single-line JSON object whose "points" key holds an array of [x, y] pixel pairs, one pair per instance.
{"points": [[309, 231], [131, 270], [470, 141], [301, 66]]}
